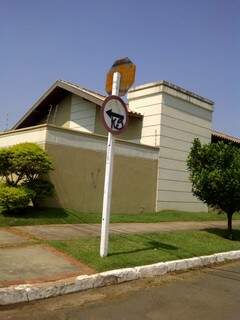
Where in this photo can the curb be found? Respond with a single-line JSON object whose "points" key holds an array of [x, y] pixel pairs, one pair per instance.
{"points": [[30, 292]]}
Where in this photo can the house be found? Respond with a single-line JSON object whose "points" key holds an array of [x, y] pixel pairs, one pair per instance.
{"points": [[150, 171]]}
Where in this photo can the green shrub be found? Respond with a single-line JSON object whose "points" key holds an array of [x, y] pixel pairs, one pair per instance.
{"points": [[13, 198], [24, 162], [41, 190], [6, 165], [29, 162], [24, 165]]}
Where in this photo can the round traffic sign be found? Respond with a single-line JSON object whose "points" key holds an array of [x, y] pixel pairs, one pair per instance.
{"points": [[114, 114]]}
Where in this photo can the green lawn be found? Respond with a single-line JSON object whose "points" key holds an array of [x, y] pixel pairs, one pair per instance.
{"points": [[134, 250], [32, 216]]}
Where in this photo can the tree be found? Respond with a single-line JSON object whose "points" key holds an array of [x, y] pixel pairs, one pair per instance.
{"points": [[41, 189], [215, 176]]}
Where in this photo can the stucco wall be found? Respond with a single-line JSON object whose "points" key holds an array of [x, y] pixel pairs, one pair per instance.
{"points": [[172, 119], [79, 177], [79, 162], [181, 122], [35, 134], [149, 105]]}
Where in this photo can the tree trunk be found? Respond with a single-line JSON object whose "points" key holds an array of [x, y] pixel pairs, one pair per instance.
{"points": [[34, 202], [229, 217]]}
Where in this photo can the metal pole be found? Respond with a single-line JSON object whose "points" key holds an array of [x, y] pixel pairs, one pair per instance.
{"points": [[108, 179]]}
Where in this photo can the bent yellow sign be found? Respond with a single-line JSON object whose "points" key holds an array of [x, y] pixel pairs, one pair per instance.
{"points": [[127, 69]]}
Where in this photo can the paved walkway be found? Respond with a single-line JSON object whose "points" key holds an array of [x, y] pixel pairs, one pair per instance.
{"points": [[24, 260], [74, 231]]}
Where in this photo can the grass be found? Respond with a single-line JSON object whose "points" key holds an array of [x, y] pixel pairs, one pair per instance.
{"points": [[39, 216], [141, 249]]}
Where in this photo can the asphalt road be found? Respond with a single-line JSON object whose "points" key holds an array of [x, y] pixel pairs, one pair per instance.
{"points": [[210, 293]]}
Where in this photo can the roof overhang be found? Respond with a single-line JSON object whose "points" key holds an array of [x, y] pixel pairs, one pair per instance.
{"points": [[220, 136], [54, 95]]}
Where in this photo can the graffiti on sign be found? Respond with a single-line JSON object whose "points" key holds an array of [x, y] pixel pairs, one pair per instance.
{"points": [[114, 114], [116, 120]]}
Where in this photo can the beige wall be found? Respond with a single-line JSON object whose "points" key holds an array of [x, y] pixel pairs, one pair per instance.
{"points": [[76, 113], [172, 119], [181, 122], [35, 134], [79, 177], [82, 116], [150, 107], [79, 162]]}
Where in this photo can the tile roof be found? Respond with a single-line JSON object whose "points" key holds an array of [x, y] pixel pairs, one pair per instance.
{"points": [[225, 136]]}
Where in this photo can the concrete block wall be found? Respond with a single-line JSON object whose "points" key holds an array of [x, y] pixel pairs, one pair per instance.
{"points": [[178, 116]]}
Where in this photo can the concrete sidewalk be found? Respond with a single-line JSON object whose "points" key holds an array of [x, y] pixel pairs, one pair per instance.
{"points": [[25, 260], [74, 231]]}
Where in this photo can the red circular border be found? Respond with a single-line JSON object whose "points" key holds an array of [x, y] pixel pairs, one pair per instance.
{"points": [[112, 97]]}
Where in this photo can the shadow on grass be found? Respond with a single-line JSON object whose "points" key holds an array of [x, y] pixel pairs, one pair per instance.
{"points": [[153, 245], [223, 233], [37, 213]]}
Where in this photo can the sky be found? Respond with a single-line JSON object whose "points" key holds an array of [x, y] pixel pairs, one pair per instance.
{"points": [[194, 44]]}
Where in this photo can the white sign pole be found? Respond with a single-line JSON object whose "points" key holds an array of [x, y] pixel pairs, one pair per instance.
{"points": [[108, 179]]}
